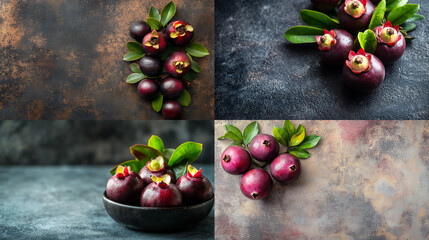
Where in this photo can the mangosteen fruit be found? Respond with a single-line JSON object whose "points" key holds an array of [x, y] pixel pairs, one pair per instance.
{"points": [[139, 29], [150, 65], [335, 46], [147, 88], [391, 43], [180, 33], [195, 187], [154, 43], [325, 5], [171, 109], [264, 147], [236, 160], [177, 64], [355, 15], [256, 184], [363, 72], [161, 193], [171, 87], [285, 168], [125, 186], [156, 167]]}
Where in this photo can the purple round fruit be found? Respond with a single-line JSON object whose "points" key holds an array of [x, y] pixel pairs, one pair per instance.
{"points": [[125, 186], [285, 168], [171, 109], [264, 147], [147, 88], [154, 43], [325, 5], [150, 65], [256, 184], [195, 187], [391, 43], [363, 72], [236, 160], [139, 29], [156, 167], [177, 64], [161, 193], [335, 46], [171, 87], [355, 15], [180, 33]]}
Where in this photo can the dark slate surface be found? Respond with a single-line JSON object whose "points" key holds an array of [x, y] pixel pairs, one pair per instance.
{"points": [[259, 75], [66, 203]]}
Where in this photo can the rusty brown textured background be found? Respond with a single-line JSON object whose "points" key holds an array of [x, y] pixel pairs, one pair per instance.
{"points": [[62, 59], [365, 180]]}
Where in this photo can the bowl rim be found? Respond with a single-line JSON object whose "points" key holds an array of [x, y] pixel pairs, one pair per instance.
{"points": [[105, 198]]}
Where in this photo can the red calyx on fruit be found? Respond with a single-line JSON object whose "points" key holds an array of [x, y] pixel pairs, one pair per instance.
{"points": [[360, 62], [154, 43], [193, 172], [156, 165], [388, 34], [180, 32], [327, 40], [355, 8], [122, 172], [163, 181]]}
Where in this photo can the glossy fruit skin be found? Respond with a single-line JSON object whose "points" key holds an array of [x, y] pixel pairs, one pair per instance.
{"points": [[355, 25], [264, 147], [156, 196], [146, 174], [338, 53], [171, 87], [179, 41], [171, 109], [285, 168], [177, 56], [195, 189], [256, 184], [150, 65], [139, 29], [147, 88], [150, 50], [387, 54], [367, 81], [236, 160], [325, 5], [125, 190]]}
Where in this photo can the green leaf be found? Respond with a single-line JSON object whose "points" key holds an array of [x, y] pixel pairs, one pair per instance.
{"points": [[196, 50], [135, 47], [145, 153], [184, 98], [188, 152], [235, 130], [236, 144], [378, 16], [132, 56], [168, 152], [415, 18], [154, 13], [195, 67], [298, 137], [156, 142], [135, 68], [167, 13], [303, 34], [401, 14], [395, 3], [368, 41], [135, 166], [135, 77], [290, 129], [309, 141], [231, 136], [190, 76], [154, 23], [318, 19], [408, 26], [299, 153], [250, 132], [180, 169], [281, 135], [157, 102]]}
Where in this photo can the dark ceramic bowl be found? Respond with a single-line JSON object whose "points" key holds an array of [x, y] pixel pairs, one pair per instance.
{"points": [[157, 219]]}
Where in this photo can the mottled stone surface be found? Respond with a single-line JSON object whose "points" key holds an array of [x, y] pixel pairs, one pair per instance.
{"points": [[260, 75], [66, 203], [62, 59], [365, 180], [94, 142]]}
